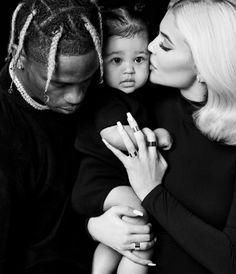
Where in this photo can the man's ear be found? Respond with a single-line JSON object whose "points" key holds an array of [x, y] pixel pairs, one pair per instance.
{"points": [[22, 58]]}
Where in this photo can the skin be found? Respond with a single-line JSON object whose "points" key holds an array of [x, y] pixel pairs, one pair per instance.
{"points": [[69, 83], [172, 62], [172, 65], [126, 62]]}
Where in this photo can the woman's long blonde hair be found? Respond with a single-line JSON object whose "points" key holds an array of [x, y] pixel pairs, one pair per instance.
{"points": [[209, 27]]}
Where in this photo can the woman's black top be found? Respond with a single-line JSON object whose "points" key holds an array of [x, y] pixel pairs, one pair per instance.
{"points": [[193, 211]]}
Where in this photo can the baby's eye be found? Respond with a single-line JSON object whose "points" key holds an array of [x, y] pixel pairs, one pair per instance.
{"points": [[139, 59], [116, 60]]}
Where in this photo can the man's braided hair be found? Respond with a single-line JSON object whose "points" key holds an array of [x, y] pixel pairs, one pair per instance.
{"points": [[48, 28]]}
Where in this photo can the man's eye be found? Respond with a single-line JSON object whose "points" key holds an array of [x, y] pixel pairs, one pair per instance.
{"points": [[161, 45], [116, 60]]}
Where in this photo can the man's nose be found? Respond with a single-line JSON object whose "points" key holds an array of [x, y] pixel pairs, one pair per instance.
{"points": [[74, 96]]}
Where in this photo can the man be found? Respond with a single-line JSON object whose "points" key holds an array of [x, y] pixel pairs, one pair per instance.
{"points": [[54, 54]]}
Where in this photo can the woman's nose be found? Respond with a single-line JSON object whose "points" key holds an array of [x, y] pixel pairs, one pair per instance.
{"points": [[150, 46]]}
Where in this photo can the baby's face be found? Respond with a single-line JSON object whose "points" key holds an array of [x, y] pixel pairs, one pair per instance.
{"points": [[126, 62]]}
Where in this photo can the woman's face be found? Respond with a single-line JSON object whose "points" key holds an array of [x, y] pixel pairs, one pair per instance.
{"points": [[171, 58]]}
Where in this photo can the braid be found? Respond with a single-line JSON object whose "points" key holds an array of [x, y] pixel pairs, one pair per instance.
{"points": [[100, 21], [38, 34], [73, 27], [12, 35], [22, 36], [45, 4], [97, 43], [52, 58]]}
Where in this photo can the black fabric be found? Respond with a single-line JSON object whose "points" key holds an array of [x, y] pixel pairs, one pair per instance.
{"points": [[194, 210], [99, 166], [38, 166], [113, 105], [195, 207]]}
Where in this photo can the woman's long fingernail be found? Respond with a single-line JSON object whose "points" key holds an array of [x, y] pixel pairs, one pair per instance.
{"points": [[105, 142], [151, 264], [119, 125], [138, 213], [129, 116]]}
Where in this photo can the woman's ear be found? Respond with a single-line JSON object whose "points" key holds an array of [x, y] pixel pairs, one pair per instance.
{"points": [[199, 78]]}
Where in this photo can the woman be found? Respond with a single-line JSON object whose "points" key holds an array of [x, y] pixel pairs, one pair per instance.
{"points": [[193, 202]]}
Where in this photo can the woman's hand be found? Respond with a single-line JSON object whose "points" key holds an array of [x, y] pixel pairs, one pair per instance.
{"points": [[145, 167], [111, 230]]}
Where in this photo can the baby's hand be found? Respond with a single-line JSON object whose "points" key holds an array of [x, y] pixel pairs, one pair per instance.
{"points": [[164, 139]]}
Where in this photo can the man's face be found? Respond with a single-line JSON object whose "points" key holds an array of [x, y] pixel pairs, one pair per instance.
{"points": [[70, 80]]}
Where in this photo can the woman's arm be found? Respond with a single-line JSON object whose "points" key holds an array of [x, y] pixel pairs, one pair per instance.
{"points": [[213, 248]]}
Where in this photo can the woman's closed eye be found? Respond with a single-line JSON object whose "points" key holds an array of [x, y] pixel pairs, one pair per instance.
{"points": [[162, 46]]}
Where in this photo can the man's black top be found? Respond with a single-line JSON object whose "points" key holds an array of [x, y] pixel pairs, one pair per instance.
{"points": [[38, 167]]}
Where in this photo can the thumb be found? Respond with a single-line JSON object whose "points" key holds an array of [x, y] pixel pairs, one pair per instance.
{"points": [[164, 138]]}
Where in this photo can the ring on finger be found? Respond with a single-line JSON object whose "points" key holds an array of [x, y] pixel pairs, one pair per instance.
{"points": [[133, 154], [135, 128], [151, 143], [137, 246]]}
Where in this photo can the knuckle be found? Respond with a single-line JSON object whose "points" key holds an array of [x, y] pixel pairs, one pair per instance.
{"points": [[149, 132], [144, 246], [122, 248], [125, 240]]}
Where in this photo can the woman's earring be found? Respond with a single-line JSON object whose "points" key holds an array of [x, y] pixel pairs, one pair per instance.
{"points": [[199, 79]]}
